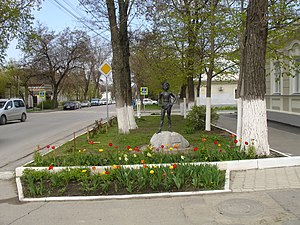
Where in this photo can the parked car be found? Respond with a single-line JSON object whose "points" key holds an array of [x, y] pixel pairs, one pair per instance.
{"points": [[148, 101], [103, 101], [71, 105], [95, 102], [78, 104], [86, 103], [12, 109]]}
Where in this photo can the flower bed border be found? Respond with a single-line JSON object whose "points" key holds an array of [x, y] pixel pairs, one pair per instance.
{"points": [[226, 165]]}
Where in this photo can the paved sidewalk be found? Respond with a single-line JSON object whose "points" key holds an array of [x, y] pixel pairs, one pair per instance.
{"points": [[265, 179], [258, 197]]}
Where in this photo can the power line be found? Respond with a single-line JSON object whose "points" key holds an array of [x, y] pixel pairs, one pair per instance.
{"points": [[70, 13]]}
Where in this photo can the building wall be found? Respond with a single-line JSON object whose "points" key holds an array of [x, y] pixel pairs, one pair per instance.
{"points": [[284, 106], [222, 93]]}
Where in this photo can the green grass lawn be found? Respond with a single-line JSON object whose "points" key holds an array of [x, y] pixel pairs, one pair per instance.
{"points": [[165, 169], [105, 146]]}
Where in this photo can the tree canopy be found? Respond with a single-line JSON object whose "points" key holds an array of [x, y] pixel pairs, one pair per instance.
{"points": [[15, 21]]}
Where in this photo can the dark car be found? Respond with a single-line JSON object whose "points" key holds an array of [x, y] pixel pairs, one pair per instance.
{"points": [[70, 105]]}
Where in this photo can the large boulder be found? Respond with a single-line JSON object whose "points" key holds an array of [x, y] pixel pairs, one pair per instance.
{"points": [[170, 139]]}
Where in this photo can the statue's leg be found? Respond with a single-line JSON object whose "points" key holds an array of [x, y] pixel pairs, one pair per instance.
{"points": [[162, 117], [169, 118]]}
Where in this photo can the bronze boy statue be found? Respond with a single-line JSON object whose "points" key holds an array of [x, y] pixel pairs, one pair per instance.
{"points": [[167, 99]]}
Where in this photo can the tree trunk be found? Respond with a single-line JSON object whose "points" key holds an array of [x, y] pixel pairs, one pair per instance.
{"points": [[208, 102], [120, 65], [183, 92], [55, 95], [240, 91], [211, 69], [254, 119]]}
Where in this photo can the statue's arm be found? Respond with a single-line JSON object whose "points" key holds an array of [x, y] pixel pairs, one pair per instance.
{"points": [[174, 98], [159, 99]]}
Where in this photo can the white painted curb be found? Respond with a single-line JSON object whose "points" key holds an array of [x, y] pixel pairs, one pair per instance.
{"points": [[116, 197], [226, 165], [19, 172]]}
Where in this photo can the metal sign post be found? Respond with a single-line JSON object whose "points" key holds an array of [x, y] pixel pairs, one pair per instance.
{"points": [[42, 95], [144, 91], [105, 69]]}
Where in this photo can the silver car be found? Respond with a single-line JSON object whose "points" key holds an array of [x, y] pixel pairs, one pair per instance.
{"points": [[12, 109]]}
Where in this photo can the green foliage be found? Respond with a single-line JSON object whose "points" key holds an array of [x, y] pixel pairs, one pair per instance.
{"points": [[16, 20], [189, 130], [197, 115], [120, 180], [45, 104]]}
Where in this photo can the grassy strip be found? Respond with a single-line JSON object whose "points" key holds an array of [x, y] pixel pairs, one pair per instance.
{"points": [[103, 148]]}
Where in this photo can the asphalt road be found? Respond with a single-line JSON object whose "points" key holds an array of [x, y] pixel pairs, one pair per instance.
{"points": [[19, 140], [282, 137]]}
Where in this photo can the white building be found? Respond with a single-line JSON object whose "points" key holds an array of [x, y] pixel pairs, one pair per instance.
{"points": [[283, 91]]}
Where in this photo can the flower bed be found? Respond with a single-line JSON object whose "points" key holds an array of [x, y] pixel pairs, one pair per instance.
{"points": [[119, 180], [130, 166]]}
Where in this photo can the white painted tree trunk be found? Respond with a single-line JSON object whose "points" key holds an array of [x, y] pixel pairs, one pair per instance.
{"points": [[126, 121], [208, 114], [254, 126], [131, 119], [198, 101], [122, 118], [239, 119]]}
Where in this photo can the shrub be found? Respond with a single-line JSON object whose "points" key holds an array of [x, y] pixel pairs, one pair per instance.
{"points": [[46, 104], [197, 115]]}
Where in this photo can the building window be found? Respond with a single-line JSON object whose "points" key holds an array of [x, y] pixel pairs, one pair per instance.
{"points": [[277, 78], [296, 78]]}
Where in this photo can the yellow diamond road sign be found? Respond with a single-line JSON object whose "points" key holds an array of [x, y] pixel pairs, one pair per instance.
{"points": [[105, 68]]}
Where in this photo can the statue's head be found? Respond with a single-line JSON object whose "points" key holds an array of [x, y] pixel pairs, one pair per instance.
{"points": [[165, 86]]}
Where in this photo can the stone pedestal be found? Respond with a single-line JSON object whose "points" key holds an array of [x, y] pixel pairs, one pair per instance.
{"points": [[170, 139]]}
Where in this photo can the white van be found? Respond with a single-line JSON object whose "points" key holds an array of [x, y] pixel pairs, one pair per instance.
{"points": [[12, 109]]}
